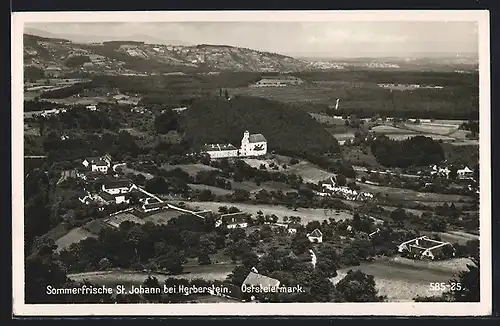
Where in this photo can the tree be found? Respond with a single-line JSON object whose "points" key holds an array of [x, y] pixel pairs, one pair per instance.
{"points": [[341, 180], [356, 286], [157, 185], [469, 284], [300, 243], [166, 122], [152, 283], [204, 259]]}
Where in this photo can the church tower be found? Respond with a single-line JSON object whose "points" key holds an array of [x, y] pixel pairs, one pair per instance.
{"points": [[245, 143]]}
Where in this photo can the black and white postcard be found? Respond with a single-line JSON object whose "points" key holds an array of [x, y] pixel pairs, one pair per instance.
{"points": [[251, 163]]}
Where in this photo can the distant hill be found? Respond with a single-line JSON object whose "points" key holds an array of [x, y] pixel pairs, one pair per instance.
{"points": [[216, 120], [146, 57]]}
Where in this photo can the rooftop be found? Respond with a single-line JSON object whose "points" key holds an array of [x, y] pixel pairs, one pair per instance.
{"points": [[113, 184], [316, 233], [234, 218], [219, 147], [256, 138], [254, 279]]}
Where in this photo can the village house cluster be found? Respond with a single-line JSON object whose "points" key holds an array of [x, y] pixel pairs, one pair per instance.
{"points": [[278, 81], [332, 189], [251, 145]]}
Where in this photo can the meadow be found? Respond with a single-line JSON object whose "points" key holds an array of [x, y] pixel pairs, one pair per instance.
{"points": [[401, 279]]}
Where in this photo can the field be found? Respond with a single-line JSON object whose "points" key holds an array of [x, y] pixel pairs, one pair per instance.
{"points": [[162, 217], [457, 237], [432, 128], [411, 195], [215, 190], [128, 278], [356, 156], [192, 169], [387, 129], [309, 172], [406, 136], [402, 279], [306, 214], [73, 236]]}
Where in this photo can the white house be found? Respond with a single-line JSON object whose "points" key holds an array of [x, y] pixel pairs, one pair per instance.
{"points": [[422, 247], [220, 150], [233, 220], [253, 144], [101, 164], [293, 228], [115, 187], [315, 236], [465, 173]]}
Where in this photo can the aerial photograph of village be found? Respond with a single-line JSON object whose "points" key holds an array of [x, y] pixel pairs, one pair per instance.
{"points": [[210, 162]]}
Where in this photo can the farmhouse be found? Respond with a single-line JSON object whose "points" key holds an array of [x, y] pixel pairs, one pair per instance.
{"points": [[52, 71], [233, 220], [423, 247], [220, 150], [278, 81], [257, 280], [115, 187], [101, 164], [251, 145], [465, 173], [315, 236], [293, 227]]}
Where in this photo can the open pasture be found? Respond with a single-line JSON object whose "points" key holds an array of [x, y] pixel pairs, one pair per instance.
{"points": [[431, 128], [401, 279], [162, 217], [401, 194], [192, 169], [74, 236], [309, 172], [306, 214]]}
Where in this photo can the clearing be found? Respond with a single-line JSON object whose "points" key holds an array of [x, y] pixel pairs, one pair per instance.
{"points": [[411, 195], [162, 217], [192, 169], [306, 214], [402, 279], [74, 236], [128, 278]]}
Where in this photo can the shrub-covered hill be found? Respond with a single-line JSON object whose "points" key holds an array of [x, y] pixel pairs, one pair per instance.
{"points": [[216, 120]]}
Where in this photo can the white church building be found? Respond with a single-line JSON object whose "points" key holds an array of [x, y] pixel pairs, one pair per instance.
{"points": [[251, 145]]}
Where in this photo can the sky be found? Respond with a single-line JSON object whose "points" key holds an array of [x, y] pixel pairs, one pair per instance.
{"points": [[303, 39]]}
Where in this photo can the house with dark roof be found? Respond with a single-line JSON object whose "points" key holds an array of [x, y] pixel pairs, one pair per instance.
{"points": [[315, 236], [115, 187], [293, 227], [233, 220], [100, 164], [107, 198]]}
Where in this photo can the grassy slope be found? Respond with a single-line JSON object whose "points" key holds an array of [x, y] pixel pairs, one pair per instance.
{"points": [[220, 121]]}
